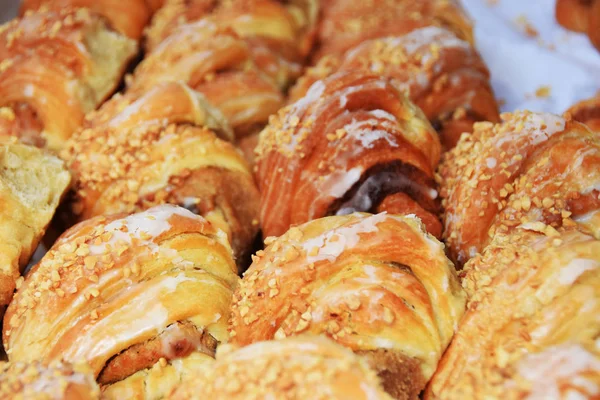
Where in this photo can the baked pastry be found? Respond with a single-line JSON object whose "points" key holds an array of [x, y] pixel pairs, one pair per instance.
{"points": [[247, 17], [242, 57], [443, 75], [531, 326], [56, 66], [294, 368], [35, 381], [587, 112], [345, 24], [377, 284], [124, 293], [128, 17], [353, 143], [533, 167], [163, 148], [580, 16], [32, 184]]}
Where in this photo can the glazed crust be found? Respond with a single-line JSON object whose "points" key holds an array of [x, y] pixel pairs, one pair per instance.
{"points": [[442, 74], [370, 282], [530, 329], [128, 17], [531, 168], [580, 16], [167, 153], [105, 273], [352, 141], [587, 112], [294, 368], [241, 54], [344, 25], [56, 67], [36, 381], [32, 183]]}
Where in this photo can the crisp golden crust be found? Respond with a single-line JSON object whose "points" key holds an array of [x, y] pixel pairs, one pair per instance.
{"points": [[580, 16], [295, 368], [370, 282], [534, 167], [347, 23], [111, 283], [242, 57], [531, 326], [136, 153], [292, 22], [56, 67], [442, 74], [587, 112], [349, 143], [243, 80], [128, 17], [57, 381], [32, 184]]}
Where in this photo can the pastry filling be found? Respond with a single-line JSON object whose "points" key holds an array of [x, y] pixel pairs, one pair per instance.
{"points": [[381, 182], [177, 341]]}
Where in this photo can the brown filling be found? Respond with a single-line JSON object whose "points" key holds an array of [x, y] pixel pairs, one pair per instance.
{"points": [[401, 375], [383, 182], [177, 341]]}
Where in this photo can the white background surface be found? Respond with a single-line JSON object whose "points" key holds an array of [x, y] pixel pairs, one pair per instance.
{"points": [[564, 61], [520, 64]]}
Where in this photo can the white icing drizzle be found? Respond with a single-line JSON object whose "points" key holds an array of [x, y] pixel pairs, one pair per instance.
{"points": [[152, 223], [572, 271], [333, 243], [555, 365]]}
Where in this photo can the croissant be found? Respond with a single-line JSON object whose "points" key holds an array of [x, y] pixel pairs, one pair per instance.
{"points": [[531, 327], [35, 381], [32, 183], [296, 368], [128, 17], [127, 293], [443, 75], [353, 143], [56, 66], [533, 167], [377, 284], [580, 16], [246, 17], [241, 58], [347, 23], [587, 112], [162, 148]]}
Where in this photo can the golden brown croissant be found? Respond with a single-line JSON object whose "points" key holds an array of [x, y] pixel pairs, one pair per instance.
{"points": [[533, 167], [587, 112], [241, 58], [246, 17], [377, 284], [305, 367], [580, 16], [56, 66], [531, 328], [35, 381], [32, 184], [442, 74], [125, 293], [128, 17], [347, 23], [352, 142], [161, 148]]}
